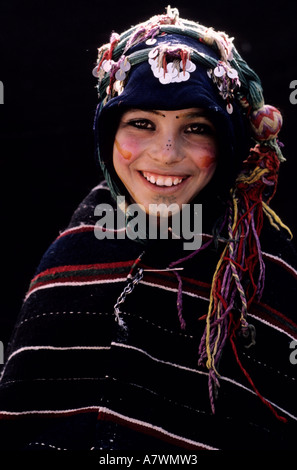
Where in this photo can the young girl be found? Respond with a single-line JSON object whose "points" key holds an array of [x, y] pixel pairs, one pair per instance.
{"points": [[140, 336]]}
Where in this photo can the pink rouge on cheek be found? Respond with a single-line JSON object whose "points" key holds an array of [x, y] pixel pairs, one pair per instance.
{"points": [[205, 161], [126, 154]]}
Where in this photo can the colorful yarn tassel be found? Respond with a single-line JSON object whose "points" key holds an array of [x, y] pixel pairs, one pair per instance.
{"points": [[240, 272]]}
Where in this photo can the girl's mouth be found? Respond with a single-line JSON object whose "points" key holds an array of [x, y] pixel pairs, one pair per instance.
{"points": [[163, 180]]}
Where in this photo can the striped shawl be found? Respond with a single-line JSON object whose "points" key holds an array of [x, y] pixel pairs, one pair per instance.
{"points": [[74, 378]]}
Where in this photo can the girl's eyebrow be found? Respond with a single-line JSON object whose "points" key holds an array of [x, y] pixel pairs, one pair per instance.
{"points": [[159, 113], [153, 111], [193, 114]]}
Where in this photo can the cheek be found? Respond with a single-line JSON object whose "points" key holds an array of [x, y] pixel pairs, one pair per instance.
{"points": [[206, 157], [123, 150], [127, 149], [205, 162]]}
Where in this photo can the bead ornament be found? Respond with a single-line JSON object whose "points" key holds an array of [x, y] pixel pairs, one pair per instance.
{"points": [[266, 122], [227, 81], [171, 64]]}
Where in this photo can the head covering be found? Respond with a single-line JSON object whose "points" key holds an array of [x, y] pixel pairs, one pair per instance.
{"points": [[170, 63]]}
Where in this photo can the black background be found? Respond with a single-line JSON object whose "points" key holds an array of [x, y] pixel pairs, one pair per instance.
{"points": [[47, 53]]}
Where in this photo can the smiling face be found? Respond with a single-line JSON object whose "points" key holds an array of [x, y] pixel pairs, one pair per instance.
{"points": [[164, 156]]}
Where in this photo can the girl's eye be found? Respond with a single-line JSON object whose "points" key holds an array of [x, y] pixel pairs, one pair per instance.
{"points": [[199, 128], [142, 124]]}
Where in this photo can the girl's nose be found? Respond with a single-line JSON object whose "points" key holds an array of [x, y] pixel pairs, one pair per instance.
{"points": [[167, 151]]}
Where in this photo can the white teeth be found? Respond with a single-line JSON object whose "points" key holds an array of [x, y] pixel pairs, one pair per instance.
{"points": [[162, 180], [152, 179], [168, 182]]}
